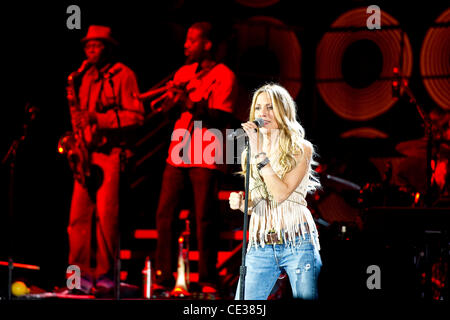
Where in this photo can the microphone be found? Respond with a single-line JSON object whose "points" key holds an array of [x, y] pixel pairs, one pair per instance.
{"points": [[236, 134], [112, 72]]}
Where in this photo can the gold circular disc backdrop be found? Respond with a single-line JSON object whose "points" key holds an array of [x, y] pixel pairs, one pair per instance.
{"points": [[435, 61], [361, 104], [273, 34]]}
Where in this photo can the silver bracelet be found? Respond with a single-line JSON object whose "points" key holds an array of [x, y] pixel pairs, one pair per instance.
{"points": [[262, 164]]}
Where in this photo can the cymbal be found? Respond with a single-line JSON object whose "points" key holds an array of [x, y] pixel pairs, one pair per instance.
{"points": [[413, 148], [364, 132]]}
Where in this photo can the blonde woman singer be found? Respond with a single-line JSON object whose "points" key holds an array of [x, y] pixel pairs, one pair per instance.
{"points": [[282, 232]]}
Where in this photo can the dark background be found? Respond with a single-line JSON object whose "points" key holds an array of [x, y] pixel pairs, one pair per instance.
{"points": [[39, 52]]}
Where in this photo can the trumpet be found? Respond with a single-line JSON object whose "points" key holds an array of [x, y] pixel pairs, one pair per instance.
{"points": [[182, 282], [169, 93], [158, 92], [181, 288]]}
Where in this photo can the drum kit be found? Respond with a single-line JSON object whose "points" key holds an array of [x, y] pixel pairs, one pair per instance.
{"points": [[403, 181]]}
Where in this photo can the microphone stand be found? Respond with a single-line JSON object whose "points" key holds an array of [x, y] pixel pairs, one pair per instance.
{"points": [[117, 263], [403, 83], [11, 157], [429, 136], [243, 268]]}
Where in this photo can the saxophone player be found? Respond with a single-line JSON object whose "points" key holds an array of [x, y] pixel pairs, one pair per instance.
{"points": [[106, 103]]}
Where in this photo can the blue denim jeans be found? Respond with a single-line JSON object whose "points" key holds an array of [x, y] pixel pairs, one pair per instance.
{"points": [[302, 264]]}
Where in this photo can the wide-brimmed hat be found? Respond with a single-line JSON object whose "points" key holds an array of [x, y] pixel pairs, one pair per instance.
{"points": [[99, 33]]}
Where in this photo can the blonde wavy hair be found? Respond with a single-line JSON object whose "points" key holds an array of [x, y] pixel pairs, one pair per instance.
{"points": [[291, 133]]}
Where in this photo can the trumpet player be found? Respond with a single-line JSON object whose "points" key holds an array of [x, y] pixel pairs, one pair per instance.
{"points": [[107, 103], [209, 91]]}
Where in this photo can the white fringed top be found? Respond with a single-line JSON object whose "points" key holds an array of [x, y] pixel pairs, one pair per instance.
{"points": [[289, 219]]}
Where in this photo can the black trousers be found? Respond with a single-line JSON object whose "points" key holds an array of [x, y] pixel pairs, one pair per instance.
{"points": [[204, 185]]}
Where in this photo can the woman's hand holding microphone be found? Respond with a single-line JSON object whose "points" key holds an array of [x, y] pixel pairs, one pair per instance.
{"points": [[250, 129]]}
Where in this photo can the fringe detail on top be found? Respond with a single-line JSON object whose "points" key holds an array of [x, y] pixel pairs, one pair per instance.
{"points": [[288, 219]]}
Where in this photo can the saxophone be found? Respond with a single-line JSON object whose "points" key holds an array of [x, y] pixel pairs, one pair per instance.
{"points": [[75, 144]]}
